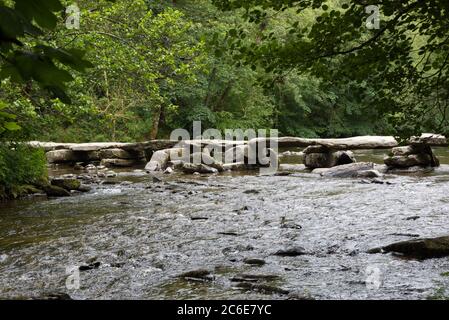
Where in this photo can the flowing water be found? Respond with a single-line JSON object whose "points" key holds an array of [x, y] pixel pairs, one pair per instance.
{"points": [[145, 234]]}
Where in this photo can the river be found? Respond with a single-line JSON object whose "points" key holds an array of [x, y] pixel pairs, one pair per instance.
{"points": [[145, 234]]}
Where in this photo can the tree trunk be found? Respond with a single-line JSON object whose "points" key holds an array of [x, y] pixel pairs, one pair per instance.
{"points": [[155, 123]]}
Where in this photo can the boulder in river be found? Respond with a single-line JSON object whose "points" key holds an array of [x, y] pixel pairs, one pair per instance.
{"points": [[430, 139], [206, 159], [67, 184], [61, 156], [322, 157], [411, 160], [55, 191], [418, 153], [158, 161], [353, 170], [427, 248], [411, 170]]}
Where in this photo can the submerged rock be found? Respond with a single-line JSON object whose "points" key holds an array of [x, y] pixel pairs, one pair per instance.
{"points": [[54, 296], [353, 170], [262, 288], [94, 265], [291, 252], [198, 168], [420, 248], [195, 275], [254, 261], [118, 162], [254, 277], [369, 174], [292, 167]]}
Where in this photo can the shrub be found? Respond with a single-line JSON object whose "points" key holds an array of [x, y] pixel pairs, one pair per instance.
{"points": [[21, 165]]}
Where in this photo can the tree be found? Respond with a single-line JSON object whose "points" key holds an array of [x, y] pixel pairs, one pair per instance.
{"points": [[140, 55], [405, 61], [25, 58]]}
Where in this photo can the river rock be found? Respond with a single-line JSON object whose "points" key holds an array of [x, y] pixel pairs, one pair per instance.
{"points": [[429, 139], [254, 261], [292, 167], [420, 248], [411, 170], [417, 154], [318, 160], [316, 149], [408, 161], [198, 168], [66, 183], [207, 160], [78, 166], [55, 191], [175, 164], [53, 296], [238, 166], [352, 170], [123, 163], [291, 252], [202, 274], [322, 157], [61, 156], [369, 174], [405, 151], [84, 188], [169, 170], [110, 174], [263, 288], [159, 159]]}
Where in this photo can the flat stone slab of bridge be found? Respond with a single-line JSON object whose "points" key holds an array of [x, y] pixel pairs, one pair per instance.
{"points": [[128, 154]]}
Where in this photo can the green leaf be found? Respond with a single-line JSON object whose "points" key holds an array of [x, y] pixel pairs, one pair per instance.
{"points": [[41, 11], [11, 126]]}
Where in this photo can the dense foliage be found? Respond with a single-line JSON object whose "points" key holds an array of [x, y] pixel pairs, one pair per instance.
{"points": [[20, 165], [308, 68], [403, 63]]}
